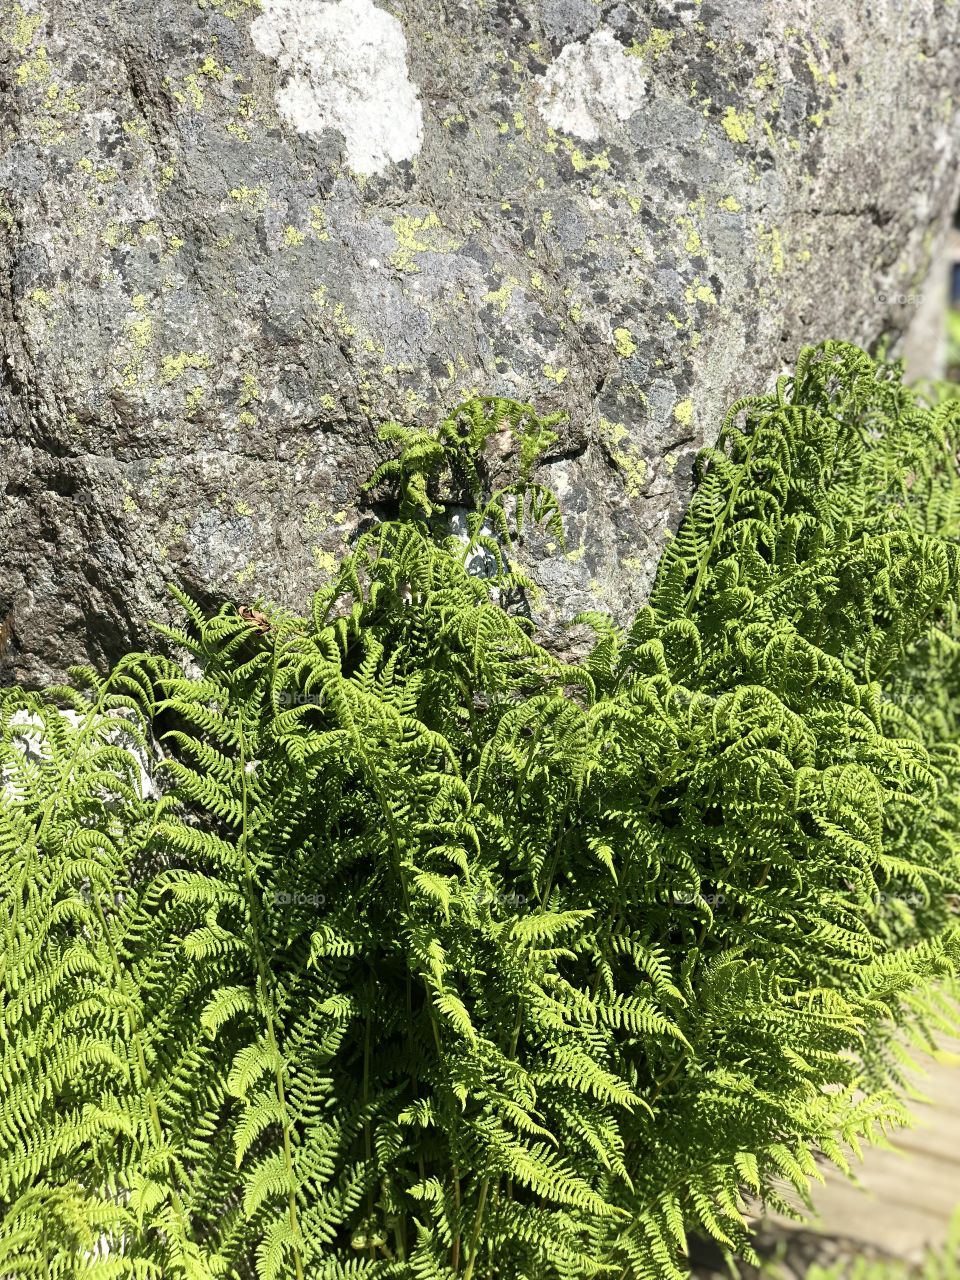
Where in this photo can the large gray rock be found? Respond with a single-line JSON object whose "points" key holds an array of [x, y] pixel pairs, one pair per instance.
{"points": [[238, 235]]}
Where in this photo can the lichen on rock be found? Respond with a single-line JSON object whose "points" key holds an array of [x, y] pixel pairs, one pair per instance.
{"points": [[345, 67], [590, 84], [237, 235]]}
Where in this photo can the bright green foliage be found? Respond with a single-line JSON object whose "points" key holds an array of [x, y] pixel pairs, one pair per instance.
{"points": [[439, 957]]}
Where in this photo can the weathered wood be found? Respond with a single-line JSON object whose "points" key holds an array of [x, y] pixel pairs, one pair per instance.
{"points": [[906, 1195]]}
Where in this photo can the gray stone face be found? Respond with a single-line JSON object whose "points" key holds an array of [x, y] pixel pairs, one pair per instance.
{"points": [[239, 235]]}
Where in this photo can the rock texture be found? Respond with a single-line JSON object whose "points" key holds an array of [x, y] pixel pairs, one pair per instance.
{"points": [[239, 234]]}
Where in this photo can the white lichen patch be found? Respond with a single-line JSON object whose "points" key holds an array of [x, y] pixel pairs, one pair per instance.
{"points": [[346, 69], [591, 84]]}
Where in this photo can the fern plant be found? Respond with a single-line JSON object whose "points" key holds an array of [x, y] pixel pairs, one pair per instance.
{"points": [[432, 955]]}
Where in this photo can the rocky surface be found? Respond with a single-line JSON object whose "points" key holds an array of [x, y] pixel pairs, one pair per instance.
{"points": [[239, 234]]}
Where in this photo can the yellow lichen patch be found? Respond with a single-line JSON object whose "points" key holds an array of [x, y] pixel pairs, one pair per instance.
{"points": [[693, 244], [249, 394], [243, 576], [736, 124], [325, 561], [625, 454], [22, 31], [245, 111], [210, 68], [341, 323], [249, 389], [698, 292], [501, 297], [59, 101], [141, 332], [624, 343], [683, 412], [34, 70], [654, 47], [580, 161], [174, 367], [556, 375], [730, 203], [140, 335], [252, 197], [419, 235], [318, 222], [111, 234], [771, 247], [293, 237], [699, 205], [194, 94], [315, 519]]}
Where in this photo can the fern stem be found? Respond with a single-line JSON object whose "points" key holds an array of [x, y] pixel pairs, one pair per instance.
{"points": [[721, 525], [475, 1233], [455, 1251], [266, 988], [397, 845], [144, 1073], [367, 1138]]}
